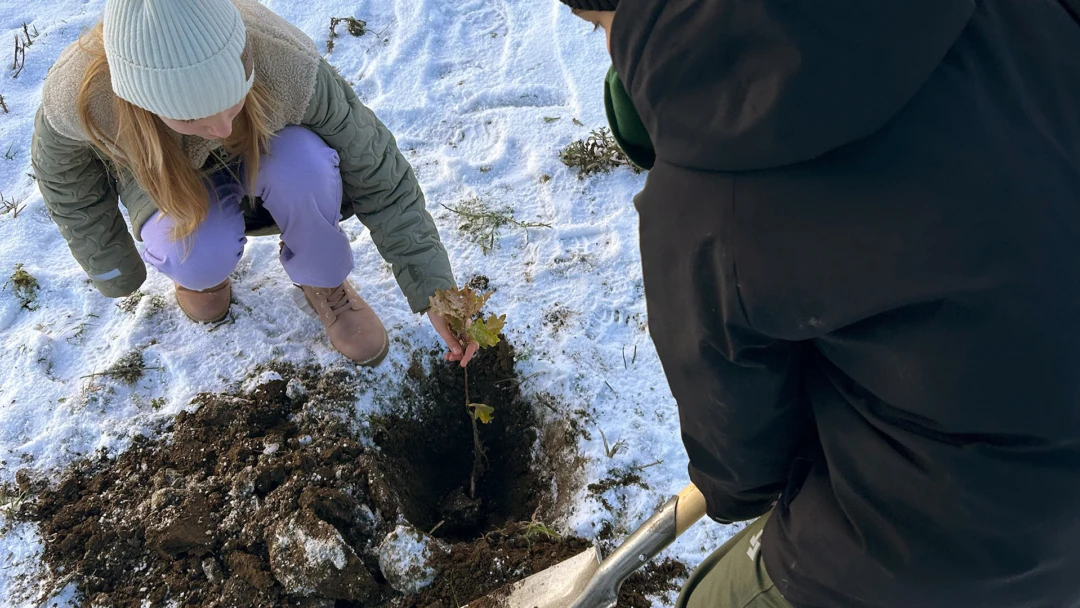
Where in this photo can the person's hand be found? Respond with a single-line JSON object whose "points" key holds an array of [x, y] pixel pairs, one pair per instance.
{"points": [[456, 353]]}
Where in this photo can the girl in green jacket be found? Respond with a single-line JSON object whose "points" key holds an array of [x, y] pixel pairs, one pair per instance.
{"points": [[211, 120]]}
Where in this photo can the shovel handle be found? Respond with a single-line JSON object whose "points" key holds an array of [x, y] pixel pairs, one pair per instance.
{"points": [[689, 509]]}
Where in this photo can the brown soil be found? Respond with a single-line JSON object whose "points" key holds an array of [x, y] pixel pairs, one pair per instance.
{"points": [[478, 572], [199, 518], [655, 580], [271, 499], [476, 569]]}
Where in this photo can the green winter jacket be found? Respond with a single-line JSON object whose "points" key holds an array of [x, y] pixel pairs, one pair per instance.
{"points": [[82, 191]]}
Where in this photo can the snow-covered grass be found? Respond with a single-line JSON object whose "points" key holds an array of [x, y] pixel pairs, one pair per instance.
{"points": [[481, 95]]}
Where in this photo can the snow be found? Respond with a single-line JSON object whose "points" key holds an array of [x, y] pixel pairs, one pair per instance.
{"points": [[404, 557], [469, 89], [260, 379], [324, 550]]}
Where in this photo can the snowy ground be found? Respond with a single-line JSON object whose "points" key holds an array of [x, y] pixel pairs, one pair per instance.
{"points": [[482, 95]]}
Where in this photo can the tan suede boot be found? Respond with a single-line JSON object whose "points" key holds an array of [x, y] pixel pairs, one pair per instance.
{"points": [[354, 328], [208, 306]]}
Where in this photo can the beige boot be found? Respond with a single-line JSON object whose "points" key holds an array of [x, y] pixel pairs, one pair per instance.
{"points": [[207, 306], [354, 328]]}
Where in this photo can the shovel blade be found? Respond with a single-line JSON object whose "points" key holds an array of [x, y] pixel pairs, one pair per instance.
{"points": [[554, 587]]}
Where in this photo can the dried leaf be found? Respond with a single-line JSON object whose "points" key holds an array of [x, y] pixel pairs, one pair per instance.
{"points": [[458, 306]]}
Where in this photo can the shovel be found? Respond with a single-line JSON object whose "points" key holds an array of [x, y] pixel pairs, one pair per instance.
{"points": [[589, 581]]}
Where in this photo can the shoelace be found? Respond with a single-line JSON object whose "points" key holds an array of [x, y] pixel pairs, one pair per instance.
{"points": [[338, 299]]}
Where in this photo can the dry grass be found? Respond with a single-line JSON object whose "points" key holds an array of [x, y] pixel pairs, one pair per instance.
{"points": [[598, 153]]}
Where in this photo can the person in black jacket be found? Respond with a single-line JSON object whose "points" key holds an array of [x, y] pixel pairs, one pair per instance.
{"points": [[860, 239]]}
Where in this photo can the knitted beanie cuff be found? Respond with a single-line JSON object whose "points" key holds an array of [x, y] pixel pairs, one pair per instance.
{"points": [[592, 5]]}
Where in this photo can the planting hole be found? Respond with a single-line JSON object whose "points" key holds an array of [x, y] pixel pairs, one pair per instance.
{"points": [[426, 447]]}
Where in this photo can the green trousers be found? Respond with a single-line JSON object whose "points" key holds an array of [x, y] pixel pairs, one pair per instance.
{"points": [[733, 576]]}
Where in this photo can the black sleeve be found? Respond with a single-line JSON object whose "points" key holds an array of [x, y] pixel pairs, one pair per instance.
{"points": [[739, 392], [733, 85]]}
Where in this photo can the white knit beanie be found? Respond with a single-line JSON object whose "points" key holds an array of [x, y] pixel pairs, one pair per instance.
{"points": [[179, 59]]}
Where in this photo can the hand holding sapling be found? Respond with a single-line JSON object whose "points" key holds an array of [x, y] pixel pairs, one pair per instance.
{"points": [[452, 342], [454, 314]]}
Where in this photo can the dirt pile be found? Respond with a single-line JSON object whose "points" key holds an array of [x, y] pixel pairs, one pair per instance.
{"points": [[284, 497], [251, 501]]}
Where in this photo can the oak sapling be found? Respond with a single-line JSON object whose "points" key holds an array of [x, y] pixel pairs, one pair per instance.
{"points": [[461, 309]]}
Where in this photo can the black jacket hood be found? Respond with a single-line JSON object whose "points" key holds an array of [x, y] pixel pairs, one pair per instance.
{"points": [[728, 85]]}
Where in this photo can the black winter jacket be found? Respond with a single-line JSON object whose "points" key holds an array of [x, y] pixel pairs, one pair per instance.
{"points": [[861, 248]]}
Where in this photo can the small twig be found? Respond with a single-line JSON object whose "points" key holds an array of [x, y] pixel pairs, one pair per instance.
{"points": [[611, 451], [356, 27], [453, 589], [519, 382], [117, 372], [624, 357], [612, 389], [26, 32], [633, 360], [490, 222], [437, 526], [12, 206], [3, 104], [228, 321], [19, 61], [645, 466], [491, 215]]}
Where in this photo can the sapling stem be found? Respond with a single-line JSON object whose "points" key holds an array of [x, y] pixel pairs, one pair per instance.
{"points": [[478, 447]]}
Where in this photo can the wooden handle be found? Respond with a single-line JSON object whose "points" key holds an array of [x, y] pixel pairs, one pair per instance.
{"points": [[689, 509]]}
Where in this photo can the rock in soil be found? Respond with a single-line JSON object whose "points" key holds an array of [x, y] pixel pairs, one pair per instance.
{"points": [[310, 558], [405, 558]]}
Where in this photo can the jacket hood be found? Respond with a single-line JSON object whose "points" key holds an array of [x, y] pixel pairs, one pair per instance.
{"points": [[731, 85]]}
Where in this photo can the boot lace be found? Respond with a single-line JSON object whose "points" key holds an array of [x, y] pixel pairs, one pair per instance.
{"points": [[338, 299]]}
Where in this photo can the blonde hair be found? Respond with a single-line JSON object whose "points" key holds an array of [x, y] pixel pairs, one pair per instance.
{"points": [[147, 148]]}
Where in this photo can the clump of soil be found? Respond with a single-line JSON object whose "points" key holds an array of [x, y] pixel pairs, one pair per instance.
{"points": [[655, 580]]}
